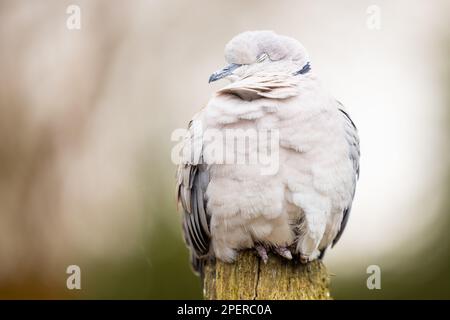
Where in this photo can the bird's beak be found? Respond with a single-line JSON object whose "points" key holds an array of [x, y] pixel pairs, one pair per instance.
{"points": [[228, 70]]}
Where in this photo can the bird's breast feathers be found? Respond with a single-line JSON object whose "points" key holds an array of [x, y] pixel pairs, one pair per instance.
{"points": [[312, 156]]}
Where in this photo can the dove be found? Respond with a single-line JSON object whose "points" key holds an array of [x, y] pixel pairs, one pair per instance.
{"points": [[298, 210]]}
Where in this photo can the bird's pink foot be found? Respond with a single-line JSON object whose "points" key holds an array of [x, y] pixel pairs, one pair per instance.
{"points": [[262, 252]]}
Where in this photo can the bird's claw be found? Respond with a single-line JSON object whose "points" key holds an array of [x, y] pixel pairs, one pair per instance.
{"points": [[262, 252], [284, 252], [304, 258], [281, 251]]}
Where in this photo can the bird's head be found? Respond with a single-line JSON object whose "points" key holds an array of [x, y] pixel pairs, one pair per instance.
{"points": [[260, 52]]}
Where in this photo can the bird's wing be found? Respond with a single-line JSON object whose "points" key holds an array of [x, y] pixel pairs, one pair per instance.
{"points": [[352, 138], [192, 181]]}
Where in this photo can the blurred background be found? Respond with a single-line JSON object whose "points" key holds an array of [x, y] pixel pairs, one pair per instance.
{"points": [[86, 118]]}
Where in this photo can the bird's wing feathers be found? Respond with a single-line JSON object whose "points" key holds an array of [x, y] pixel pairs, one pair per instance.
{"points": [[352, 138], [192, 181], [267, 85]]}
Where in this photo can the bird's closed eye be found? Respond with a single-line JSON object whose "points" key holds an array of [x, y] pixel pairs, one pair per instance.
{"points": [[262, 57]]}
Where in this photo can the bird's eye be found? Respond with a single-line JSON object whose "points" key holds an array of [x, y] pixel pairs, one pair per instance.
{"points": [[262, 57]]}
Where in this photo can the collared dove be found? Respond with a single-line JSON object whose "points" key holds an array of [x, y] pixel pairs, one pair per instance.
{"points": [[302, 208]]}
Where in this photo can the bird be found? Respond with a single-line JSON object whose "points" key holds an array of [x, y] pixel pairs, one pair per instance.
{"points": [[296, 211]]}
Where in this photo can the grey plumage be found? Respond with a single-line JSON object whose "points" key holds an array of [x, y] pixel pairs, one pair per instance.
{"points": [[354, 154]]}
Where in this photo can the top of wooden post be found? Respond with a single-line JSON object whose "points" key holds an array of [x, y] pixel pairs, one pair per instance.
{"points": [[250, 279]]}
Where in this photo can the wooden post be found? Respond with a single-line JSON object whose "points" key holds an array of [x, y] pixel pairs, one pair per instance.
{"points": [[280, 279]]}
